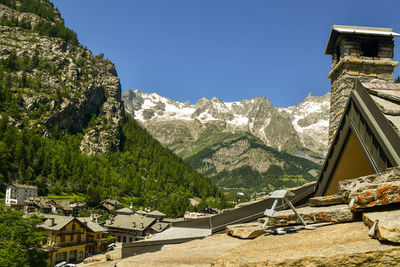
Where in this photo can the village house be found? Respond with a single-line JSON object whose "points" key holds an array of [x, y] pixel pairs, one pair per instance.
{"points": [[69, 239], [152, 213], [97, 236], [110, 205], [64, 208], [129, 228], [126, 211], [39, 204], [17, 193], [65, 239], [158, 227]]}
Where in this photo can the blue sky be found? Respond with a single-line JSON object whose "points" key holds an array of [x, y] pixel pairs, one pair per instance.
{"points": [[231, 49]]}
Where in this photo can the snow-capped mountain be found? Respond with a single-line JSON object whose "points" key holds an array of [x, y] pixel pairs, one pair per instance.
{"points": [[186, 128]]}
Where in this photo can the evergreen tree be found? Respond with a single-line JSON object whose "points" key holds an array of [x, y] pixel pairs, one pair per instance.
{"points": [[20, 240]]}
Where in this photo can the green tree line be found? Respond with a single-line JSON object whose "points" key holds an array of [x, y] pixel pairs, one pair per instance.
{"points": [[49, 26]]}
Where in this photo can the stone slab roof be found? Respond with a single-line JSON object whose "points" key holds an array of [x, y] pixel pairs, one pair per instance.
{"points": [[387, 97], [181, 232], [142, 212], [65, 206], [25, 186], [343, 29], [92, 226], [59, 222], [156, 213], [124, 210], [159, 226], [335, 245], [372, 113], [130, 222]]}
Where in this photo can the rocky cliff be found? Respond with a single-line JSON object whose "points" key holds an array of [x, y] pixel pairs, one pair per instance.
{"points": [[61, 85]]}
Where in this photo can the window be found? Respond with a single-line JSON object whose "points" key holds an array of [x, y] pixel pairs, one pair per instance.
{"points": [[72, 255], [124, 239], [71, 238], [119, 239], [369, 48], [62, 238], [130, 239], [62, 256], [81, 254], [98, 236]]}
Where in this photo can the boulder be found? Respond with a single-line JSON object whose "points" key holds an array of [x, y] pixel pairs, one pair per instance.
{"points": [[373, 195], [245, 231], [388, 226], [334, 214], [326, 200]]}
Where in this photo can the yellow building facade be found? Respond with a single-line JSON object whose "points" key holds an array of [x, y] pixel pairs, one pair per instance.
{"points": [[66, 239]]}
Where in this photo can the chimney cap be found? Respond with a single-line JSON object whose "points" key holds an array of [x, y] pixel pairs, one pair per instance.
{"points": [[358, 30]]}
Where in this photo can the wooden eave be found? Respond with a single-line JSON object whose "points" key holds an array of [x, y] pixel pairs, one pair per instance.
{"points": [[375, 135]]}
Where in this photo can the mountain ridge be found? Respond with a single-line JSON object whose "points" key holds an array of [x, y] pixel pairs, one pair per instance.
{"points": [[305, 124], [265, 142]]}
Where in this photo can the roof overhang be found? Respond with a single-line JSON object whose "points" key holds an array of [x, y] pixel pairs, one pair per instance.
{"points": [[337, 29], [361, 112]]}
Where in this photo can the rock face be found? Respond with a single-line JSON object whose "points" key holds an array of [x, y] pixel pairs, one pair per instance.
{"points": [[388, 226], [71, 85], [334, 214]]}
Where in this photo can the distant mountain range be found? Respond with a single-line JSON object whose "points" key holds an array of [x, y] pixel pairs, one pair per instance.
{"points": [[229, 140]]}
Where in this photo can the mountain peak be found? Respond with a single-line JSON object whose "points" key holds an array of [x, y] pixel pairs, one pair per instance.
{"points": [[303, 125]]}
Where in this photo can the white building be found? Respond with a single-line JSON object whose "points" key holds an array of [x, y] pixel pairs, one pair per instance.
{"points": [[17, 193]]}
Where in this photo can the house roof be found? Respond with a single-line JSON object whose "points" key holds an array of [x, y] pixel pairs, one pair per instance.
{"points": [[112, 202], [59, 222], [40, 202], [130, 222], [372, 118], [64, 206], [142, 212], [92, 226], [25, 186], [124, 210], [156, 213], [159, 226], [342, 29]]}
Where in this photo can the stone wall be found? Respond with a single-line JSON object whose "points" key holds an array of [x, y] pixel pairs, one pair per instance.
{"points": [[351, 61]]}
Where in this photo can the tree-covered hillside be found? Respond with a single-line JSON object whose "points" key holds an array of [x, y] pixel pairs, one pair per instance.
{"points": [[57, 100], [243, 161], [143, 169]]}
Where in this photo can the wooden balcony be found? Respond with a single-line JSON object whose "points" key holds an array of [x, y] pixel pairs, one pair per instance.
{"points": [[69, 232]]}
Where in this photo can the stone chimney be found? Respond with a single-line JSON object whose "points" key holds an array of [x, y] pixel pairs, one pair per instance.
{"points": [[362, 53], [52, 222]]}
